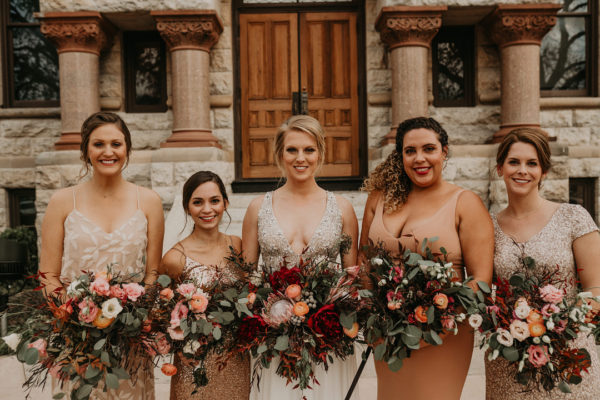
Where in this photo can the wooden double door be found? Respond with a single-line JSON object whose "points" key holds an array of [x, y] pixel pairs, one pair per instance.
{"points": [[280, 55]]}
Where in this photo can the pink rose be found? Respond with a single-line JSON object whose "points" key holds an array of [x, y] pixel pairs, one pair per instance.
{"points": [[198, 303], [179, 312], [551, 294], [166, 294], [538, 355], [448, 323], [186, 290], [493, 308], [560, 326], [398, 274], [40, 346], [100, 286], [116, 291], [549, 309], [176, 333], [88, 311], [133, 290]]}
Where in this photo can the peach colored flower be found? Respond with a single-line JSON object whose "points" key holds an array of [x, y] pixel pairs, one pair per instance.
{"points": [[551, 294], [40, 346], [537, 329], [166, 294], [301, 308], [534, 316], [100, 286], [133, 290], [88, 311], [353, 331], [293, 292], [168, 369], [440, 300], [102, 322], [198, 303], [421, 314], [186, 290], [251, 298], [116, 291], [538, 355]]}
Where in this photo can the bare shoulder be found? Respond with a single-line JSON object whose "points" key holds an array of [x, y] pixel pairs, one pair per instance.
{"points": [[255, 204], [344, 204], [149, 199], [173, 261], [470, 203], [61, 201], [372, 199], [236, 242]]}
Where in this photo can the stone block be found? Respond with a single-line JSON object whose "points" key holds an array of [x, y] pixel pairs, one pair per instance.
{"points": [[161, 174], [572, 136], [224, 40], [488, 56], [497, 192], [556, 118], [166, 194], [111, 6], [376, 133], [559, 169], [449, 172], [583, 167], [466, 115], [40, 145], [3, 197], [36, 128], [15, 147], [42, 198], [223, 118], [488, 80], [586, 117], [479, 187], [48, 178], [222, 168], [376, 57], [148, 121], [472, 168], [17, 178], [379, 80], [555, 190], [379, 116], [469, 134], [149, 139], [138, 174], [221, 60], [225, 137], [221, 83], [595, 136]]}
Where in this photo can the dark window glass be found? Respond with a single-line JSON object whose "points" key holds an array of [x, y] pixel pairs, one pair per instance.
{"points": [[30, 60], [146, 73], [566, 54], [582, 191], [453, 66], [21, 204]]}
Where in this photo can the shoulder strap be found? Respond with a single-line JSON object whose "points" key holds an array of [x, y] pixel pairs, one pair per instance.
{"points": [[137, 192], [74, 204]]}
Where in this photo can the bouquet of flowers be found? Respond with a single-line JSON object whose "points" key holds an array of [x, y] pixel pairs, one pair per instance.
{"points": [[531, 323], [415, 297], [92, 338], [194, 319], [305, 314]]}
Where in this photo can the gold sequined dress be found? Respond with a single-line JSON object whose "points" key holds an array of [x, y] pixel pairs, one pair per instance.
{"points": [[231, 382], [274, 246], [551, 246]]}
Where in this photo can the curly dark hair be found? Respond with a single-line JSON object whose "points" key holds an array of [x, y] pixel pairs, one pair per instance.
{"points": [[389, 177]]}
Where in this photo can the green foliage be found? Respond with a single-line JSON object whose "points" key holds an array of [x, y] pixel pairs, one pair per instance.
{"points": [[26, 236]]}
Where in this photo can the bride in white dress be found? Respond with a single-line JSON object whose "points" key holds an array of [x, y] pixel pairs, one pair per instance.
{"points": [[300, 218]]}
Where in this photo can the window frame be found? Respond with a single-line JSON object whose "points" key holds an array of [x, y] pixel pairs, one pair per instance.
{"points": [[591, 54], [457, 34], [7, 57], [14, 211], [130, 39], [589, 193]]}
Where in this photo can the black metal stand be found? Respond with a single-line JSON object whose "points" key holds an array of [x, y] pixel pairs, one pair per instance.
{"points": [[358, 373]]}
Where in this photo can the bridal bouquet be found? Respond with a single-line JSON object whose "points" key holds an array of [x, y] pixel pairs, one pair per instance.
{"points": [[304, 314], [415, 297], [92, 339], [531, 323]]}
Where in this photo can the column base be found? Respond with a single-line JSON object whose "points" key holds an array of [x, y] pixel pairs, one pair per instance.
{"points": [[390, 138], [68, 141], [192, 138], [505, 129]]}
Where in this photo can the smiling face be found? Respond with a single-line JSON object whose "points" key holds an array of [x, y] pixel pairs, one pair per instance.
{"points": [[521, 170], [206, 206], [423, 157], [300, 157], [107, 150]]}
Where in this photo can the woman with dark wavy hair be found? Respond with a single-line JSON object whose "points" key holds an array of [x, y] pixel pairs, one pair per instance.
{"points": [[408, 201]]}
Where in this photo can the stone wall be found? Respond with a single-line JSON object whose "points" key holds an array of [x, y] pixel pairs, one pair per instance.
{"points": [[458, 3], [107, 6]]}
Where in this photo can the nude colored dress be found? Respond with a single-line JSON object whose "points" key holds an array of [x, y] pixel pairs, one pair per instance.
{"points": [[552, 246], [87, 247], [432, 372], [232, 382], [274, 246]]}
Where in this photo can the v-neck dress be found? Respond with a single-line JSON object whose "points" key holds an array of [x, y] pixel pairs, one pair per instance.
{"points": [[552, 246], [274, 247], [87, 247]]}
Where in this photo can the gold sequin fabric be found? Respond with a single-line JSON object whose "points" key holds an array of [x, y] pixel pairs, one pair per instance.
{"points": [[551, 246]]}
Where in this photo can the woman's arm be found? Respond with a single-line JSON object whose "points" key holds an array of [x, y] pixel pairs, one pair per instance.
{"points": [[368, 215], [152, 207], [53, 235], [250, 246], [173, 262], [476, 234], [350, 228], [586, 250]]}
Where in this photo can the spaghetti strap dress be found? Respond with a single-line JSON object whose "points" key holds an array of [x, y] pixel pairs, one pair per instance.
{"points": [[432, 372]]}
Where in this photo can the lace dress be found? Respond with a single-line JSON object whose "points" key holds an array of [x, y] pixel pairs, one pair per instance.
{"points": [[274, 247], [552, 246], [233, 381], [87, 247]]}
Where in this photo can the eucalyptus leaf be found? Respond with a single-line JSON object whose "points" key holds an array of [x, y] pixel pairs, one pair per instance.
{"points": [[228, 317], [347, 320], [120, 373], [99, 344], [430, 315], [564, 387], [437, 340], [262, 348], [225, 303], [31, 356], [371, 320], [413, 259], [484, 287], [517, 280], [164, 280], [105, 358], [217, 333], [59, 396], [510, 353], [282, 343], [112, 381], [84, 391], [91, 372], [379, 351]]}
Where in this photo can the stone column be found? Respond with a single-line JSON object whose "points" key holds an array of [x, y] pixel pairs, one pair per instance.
{"points": [[408, 32], [518, 31], [79, 37], [189, 36]]}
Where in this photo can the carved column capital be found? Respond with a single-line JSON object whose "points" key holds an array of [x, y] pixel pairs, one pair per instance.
{"points": [[521, 24], [191, 30], [81, 31], [409, 26]]}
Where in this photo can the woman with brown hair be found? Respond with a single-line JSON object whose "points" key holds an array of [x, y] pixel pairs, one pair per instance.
{"points": [[409, 201], [553, 234]]}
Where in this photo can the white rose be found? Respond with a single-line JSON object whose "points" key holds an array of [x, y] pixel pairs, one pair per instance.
{"points": [[577, 315], [74, 290], [376, 261], [460, 317], [522, 310], [545, 339], [191, 347], [504, 337], [12, 340], [475, 321], [111, 308], [519, 330]]}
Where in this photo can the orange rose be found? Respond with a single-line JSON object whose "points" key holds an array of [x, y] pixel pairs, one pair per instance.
{"points": [[534, 317], [421, 314], [168, 369], [352, 332], [293, 292], [198, 303], [301, 308], [440, 300], [251, 298], [101, 321], [537, 329], [392, 305]]}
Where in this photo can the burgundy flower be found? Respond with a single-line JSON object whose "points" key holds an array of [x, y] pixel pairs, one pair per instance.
{"points": [[251, 327], [284, 277], [326, 322]]}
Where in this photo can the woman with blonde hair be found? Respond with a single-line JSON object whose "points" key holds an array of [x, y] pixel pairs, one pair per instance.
{"points": [[300, 219]]}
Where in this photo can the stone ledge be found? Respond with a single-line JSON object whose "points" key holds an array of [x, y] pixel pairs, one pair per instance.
{"points": [[195, 154], [569, 102], [473, 150], [45, 112], [17, 162], [584, 151]]}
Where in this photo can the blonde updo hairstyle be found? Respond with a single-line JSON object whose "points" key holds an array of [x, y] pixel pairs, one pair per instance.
{"points": [[300, 123]]}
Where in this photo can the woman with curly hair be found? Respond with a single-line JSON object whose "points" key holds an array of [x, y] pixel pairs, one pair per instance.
{"points": [[408, 201]]}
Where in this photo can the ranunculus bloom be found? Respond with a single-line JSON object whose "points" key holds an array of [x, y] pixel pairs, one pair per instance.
{"points": [[326, 322], [176, 333], [519, 330], [293, 292], [100, 286], [133, 290], [111, 308], [475, 321], [251, 328], [440, 300], [504, 337], [522, 310], [251, 298], [534, 316], [168, 369], [40, 346], [64, 311], [421, 314], [549, 309], [537, 329], [88, 311], [353, 331], [284, 277], [198, 303], [448, 323], [166, 294], [300, 308], [102, 321], [391, 305], [538, 355], [186, 290], [179, 312], [551, 294], [118, 292]]}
